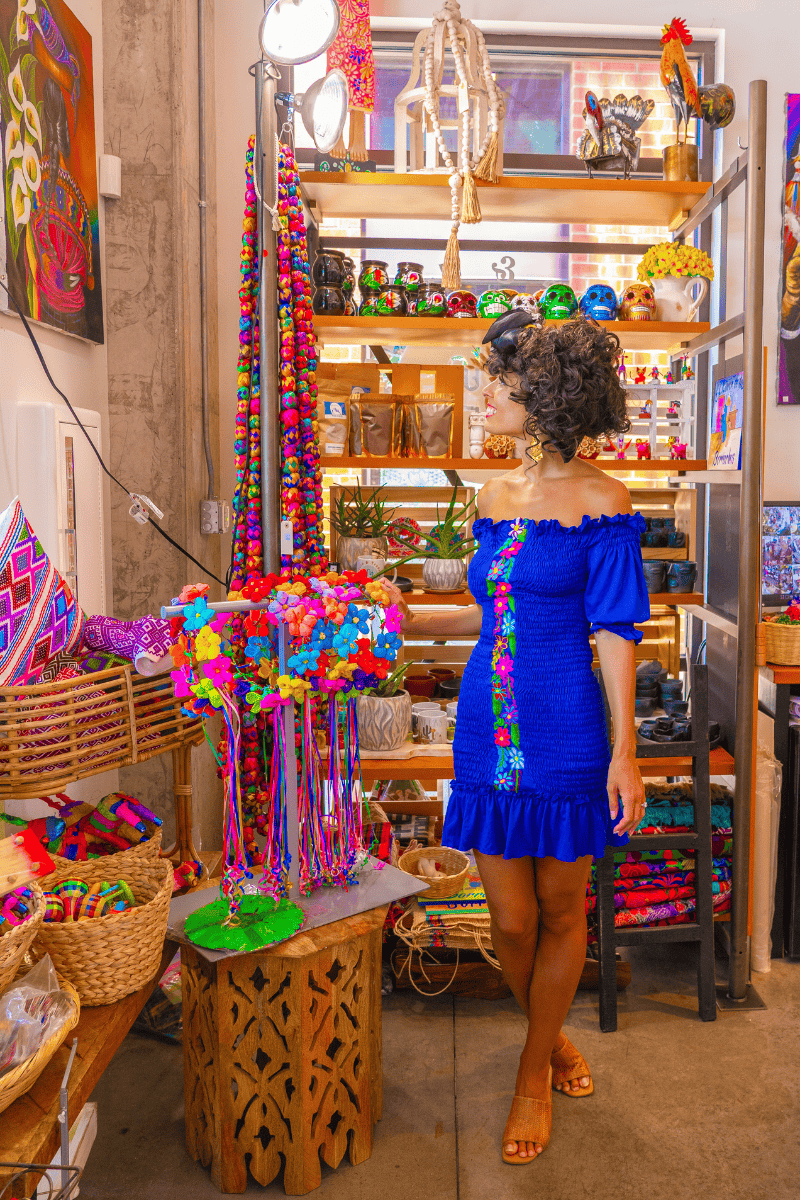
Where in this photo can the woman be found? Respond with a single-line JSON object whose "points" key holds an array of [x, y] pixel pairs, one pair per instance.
{"points": [[537, 793]]}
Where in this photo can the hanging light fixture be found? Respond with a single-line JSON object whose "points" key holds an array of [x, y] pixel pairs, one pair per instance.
{"points": [[323, 109], [295, 31]]}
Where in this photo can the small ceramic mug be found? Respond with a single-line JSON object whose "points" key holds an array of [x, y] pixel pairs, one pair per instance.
{"points": [[418, 711], [374, 565], [452, 708], [433, 727]]}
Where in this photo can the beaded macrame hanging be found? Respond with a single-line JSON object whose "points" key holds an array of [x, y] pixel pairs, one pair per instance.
{"points": [[468, 48]]}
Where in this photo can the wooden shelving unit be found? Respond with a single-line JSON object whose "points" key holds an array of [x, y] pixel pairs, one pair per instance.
{"points": [[664, 466], [428, 768], [519, 198], [671, 599], [668, 336]]}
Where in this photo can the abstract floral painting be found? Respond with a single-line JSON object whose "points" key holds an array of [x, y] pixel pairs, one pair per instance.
{"points": [[49, 245], [789, 353]]}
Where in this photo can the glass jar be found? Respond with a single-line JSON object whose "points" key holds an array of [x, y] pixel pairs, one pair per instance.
{"points": [[391, 301], [329, 269], [431, 301], [409, 276], [349, 284], [374, 275], [329, 302]]}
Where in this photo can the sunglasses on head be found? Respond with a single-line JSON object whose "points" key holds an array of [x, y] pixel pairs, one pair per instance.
{"points": [[504, 332]]}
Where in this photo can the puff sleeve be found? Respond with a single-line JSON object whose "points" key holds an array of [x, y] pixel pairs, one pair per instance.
{"points": [[616, 593]]}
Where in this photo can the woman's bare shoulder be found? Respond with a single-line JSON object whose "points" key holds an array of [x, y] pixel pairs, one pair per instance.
{"points": [[495, 491], [602, 494]]}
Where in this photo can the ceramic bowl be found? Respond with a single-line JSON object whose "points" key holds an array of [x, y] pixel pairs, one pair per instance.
{"points": [[450, 687], [645, 706], [676, 708]]}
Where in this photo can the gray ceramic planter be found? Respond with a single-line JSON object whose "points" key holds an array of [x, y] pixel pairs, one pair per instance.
{"points": [[384, 722], [444, 574], [349, 548]]}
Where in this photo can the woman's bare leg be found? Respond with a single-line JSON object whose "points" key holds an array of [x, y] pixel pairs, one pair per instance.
{"points": [[510, 886], [557, 966]]}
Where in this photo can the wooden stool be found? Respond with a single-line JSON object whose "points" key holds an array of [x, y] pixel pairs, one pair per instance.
{"points": [[282, 1055]]}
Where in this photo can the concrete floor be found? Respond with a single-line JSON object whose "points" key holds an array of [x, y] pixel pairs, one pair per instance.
{"points": [[682, 1110]]}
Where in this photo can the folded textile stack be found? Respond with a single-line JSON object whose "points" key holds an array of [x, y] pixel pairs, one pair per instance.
{"points": [[456, 914], [656, 887]]}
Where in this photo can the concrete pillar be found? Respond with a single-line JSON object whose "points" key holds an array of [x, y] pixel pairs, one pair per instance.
{"points": [[153, 328]]}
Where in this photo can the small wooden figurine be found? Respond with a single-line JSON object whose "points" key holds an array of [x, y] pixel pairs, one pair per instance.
{"points": [[618, 446], [643, 448], [677, 449], [641, 375]]}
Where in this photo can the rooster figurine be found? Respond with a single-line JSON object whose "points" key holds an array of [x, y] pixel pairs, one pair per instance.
{"points": [[715, 105], [609, 142]]}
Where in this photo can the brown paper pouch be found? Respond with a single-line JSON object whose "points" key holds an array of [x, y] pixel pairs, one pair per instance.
{"points": [[428, 425], [333, 403], [374, 425]]}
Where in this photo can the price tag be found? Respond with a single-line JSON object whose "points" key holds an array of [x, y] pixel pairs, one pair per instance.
{"points": [[287, 537], [463, 98]]}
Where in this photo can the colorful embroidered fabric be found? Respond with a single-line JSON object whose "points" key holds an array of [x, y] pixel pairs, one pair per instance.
{"points": [[39, 616], [145, 642], [352, 53], [510, 759]]}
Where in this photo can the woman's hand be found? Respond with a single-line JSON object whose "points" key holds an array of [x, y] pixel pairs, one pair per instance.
{"points": [[396, 597], [625, 787]]}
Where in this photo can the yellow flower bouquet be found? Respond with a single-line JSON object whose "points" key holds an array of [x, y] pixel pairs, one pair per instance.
{"points": [[673, 258]]}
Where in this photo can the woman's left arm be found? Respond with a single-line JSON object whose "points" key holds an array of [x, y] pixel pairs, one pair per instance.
{"points": [[625, 787]]}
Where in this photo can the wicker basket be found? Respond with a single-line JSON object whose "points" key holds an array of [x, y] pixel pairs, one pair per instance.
{"points": [[18, 939], [52, 734], [148, 851], [17, 1082], [782, 643], [454, 862], [107, 958]]}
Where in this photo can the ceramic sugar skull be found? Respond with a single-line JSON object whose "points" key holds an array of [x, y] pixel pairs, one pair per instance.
{"points": [[493, 304], [637, 303], [600, 302], [526, 302], [558, 302], [461, 303]]}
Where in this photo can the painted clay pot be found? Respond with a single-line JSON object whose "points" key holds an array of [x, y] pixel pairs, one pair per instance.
{"points": [[329, 269], [409, 276], [384, 722], [349, 284], [444, 574], [374, 275], [655, 570], [329, 302], [411, 303], [681, 576], [391, 301], [675, 298], [349, 549], [431, 301], [369, 304]]}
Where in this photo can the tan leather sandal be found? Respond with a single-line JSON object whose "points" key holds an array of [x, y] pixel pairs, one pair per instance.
{"points": [[530, 1120], [568, 1064]]}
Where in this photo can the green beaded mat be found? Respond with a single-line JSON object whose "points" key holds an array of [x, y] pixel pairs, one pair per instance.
{"points": [[259, 924]]}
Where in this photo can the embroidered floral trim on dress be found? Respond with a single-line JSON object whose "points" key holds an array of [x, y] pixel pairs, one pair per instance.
{"points": [[510, 759]]}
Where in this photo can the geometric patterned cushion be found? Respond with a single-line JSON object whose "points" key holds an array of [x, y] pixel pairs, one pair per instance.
{"points": [[39, 616]]}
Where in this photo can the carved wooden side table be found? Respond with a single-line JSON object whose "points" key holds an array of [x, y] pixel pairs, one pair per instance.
{"points": [[282, 1055]]}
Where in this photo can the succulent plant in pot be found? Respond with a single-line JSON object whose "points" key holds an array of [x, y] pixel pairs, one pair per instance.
{"points": [[384, 714], [361, 522], [444, 568]]}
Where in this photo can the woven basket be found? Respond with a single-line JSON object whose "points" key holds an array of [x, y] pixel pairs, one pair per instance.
{"points": [[52, 734], [782, 642], [148, 851], [107, 958], [18, 939], [17, 1082], [454, 862]]}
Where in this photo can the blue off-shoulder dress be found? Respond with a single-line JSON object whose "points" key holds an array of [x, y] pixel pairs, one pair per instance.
{"points": [[531, 750]]}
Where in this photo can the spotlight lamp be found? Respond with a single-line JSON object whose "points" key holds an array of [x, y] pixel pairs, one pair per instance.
{"points": [[295, 31]]}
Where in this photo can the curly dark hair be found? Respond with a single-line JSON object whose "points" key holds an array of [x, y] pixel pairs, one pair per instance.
{"points": [[568, 382]]}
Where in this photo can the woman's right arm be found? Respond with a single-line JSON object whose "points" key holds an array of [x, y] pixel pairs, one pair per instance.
{"points": [[428, 622]]}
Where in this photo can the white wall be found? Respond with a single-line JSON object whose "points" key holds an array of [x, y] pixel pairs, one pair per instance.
{"points": [[755, 40], [79, 367]]}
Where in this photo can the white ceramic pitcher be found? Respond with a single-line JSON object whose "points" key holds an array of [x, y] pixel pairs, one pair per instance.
{"points": [[675, 296]]}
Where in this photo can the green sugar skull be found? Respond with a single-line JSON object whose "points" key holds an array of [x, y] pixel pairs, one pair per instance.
{"points": [[558, 302], [493, 304]]}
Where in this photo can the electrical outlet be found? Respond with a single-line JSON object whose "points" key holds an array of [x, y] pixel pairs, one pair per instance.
{"points": [[215, 516]]}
